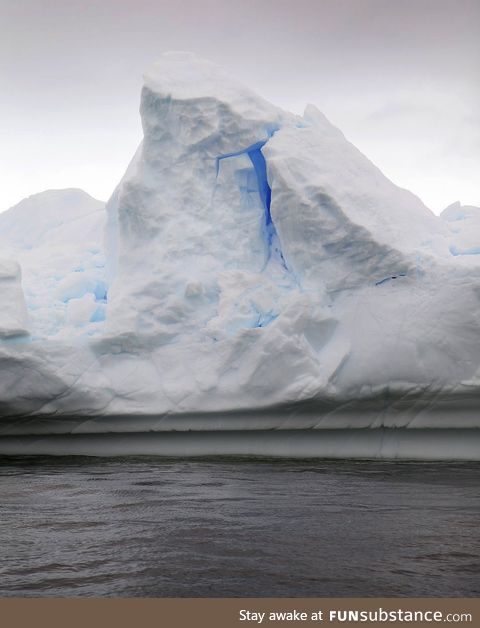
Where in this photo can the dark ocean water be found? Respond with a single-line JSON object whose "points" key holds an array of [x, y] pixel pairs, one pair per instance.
{"points": [[226, 527]]}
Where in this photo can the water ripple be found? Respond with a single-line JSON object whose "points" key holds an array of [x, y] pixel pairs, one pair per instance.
{"points": [[225, 527]]}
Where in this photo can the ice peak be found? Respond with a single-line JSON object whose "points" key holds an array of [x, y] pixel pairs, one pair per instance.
{"points": [[313, 116], [182, 76], [185, 75]]}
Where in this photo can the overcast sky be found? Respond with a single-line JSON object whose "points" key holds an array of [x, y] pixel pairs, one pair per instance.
{"points": [[399, 77]]}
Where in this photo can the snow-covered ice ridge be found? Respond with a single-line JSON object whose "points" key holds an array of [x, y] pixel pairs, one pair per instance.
{"points": [[252, 272]]}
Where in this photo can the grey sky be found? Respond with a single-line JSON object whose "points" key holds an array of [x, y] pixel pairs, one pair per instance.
{"points": [[399, 77]]}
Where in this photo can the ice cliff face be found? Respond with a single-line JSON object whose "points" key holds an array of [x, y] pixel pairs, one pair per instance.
{"points": [[252, 259]]}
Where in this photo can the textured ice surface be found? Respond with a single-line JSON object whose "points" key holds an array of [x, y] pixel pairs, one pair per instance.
{"points": [[254, 261]]}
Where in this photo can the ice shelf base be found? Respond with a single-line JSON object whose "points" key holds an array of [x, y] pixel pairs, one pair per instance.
{"points": [[380, 443]]}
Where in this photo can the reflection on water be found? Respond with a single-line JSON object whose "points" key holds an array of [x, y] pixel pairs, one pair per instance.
{"points": [[225, 527]]}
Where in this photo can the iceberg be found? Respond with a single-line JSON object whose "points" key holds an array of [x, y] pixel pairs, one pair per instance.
{"points": [[254, 286]]}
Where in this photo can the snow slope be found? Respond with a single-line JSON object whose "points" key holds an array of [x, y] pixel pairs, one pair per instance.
{"points": [[258, 272]]}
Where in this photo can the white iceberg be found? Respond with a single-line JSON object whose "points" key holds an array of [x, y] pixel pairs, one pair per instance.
{"points": [[262, 288]]}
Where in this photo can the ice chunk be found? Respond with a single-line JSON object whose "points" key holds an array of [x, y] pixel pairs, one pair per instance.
{"points": [[13, 311], [80, 311], [464, 230]]}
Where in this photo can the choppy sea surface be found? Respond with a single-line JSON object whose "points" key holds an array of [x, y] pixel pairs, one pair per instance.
{"points": [[236, 527]]}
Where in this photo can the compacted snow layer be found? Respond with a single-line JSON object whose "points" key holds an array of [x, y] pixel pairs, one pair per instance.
{"points": [[249, 261]]}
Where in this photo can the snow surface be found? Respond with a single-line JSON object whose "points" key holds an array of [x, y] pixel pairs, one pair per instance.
{"points": [[250, 261]]}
